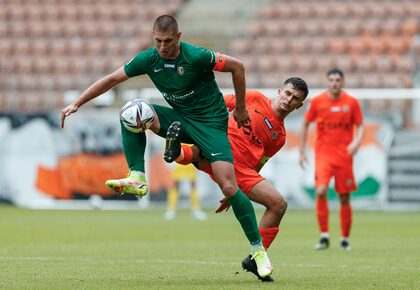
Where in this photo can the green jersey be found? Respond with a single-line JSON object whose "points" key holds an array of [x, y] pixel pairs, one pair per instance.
{"points": [[187, 83]]}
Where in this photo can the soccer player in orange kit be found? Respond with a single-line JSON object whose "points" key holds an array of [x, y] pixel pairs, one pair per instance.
{"points": [[340, 131], [252, 146]]}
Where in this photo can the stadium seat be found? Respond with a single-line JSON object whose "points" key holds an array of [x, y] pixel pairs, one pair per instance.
{"points": [[266, 63], [338, 45]]}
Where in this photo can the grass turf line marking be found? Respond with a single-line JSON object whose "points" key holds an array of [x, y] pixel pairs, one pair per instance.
{"points": [[162, 261]]}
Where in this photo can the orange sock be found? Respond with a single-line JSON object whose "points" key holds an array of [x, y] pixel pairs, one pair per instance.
{"points": [[322, 214], [346, 217], [186, 155], [268, 235]]}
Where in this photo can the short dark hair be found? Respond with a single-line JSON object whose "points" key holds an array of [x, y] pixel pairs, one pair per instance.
{"points": [[298, 84], [334, 71], [165, 23]]}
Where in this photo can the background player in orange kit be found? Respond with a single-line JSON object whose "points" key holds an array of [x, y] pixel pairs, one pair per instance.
{"points": [[340, 131], [252, 146]]}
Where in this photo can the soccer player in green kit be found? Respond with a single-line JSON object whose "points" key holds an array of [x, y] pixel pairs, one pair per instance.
{"points": [[183, 73]]}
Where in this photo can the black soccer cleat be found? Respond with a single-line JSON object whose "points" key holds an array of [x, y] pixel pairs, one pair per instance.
{"points": [[345, 245], [323, 244], [249, 265], [173, 142]]}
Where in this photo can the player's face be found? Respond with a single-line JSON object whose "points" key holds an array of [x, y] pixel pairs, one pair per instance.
{"points": [[335, 83], [289, 98], [167, 43]]}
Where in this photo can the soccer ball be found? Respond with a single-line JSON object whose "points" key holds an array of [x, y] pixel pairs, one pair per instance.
{"points": [[137, 116]]}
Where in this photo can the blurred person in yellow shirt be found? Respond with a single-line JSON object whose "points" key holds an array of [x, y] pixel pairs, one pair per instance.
{"points": [[184, 173]]}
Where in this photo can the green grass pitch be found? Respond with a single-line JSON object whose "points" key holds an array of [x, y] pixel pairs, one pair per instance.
{"points": [[139, 250]]}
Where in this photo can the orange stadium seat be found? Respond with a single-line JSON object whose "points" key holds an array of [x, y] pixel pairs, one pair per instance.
{"points": [[338, 45], [410, 27]]}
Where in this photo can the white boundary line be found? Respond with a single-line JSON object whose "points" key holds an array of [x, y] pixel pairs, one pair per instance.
{"points": [[192, 262]]}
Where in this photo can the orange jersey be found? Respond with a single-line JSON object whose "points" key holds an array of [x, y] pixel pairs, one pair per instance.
{"points": [[335, 123], [263, 137]]}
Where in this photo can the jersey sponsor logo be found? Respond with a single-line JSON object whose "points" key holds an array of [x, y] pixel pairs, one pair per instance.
{"points": [[335, 109], [268, 124], [173, 97], [215, 154], [169, 65], [157, 70], [247, 129], [180, 70]]}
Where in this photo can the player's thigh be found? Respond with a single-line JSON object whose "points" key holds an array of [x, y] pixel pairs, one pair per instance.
{"points": [[224, 174], [324, 171], [166, 117], [213, 141], [344, 179]]}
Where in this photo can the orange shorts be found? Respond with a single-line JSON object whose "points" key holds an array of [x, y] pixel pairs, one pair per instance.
{"points": [[343, 175], [246, 177]]}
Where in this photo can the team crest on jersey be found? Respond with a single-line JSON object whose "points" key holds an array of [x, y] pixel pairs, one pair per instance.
{"points": [[180, 70], [346, 109], [274, 135]]}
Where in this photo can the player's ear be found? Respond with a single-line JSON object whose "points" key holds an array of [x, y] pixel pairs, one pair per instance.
{"points": [[178, 35]]}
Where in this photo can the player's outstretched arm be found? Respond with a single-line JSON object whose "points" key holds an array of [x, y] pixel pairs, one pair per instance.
{"points": [[96, 89]]}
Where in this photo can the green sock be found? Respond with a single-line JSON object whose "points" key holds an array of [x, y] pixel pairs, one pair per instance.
{"points": [[245, 214], [134, 146]]}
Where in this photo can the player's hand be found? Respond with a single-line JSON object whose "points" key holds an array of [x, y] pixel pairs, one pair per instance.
{"points": [[70, 109], [241, 116], [352, 148], [303, 160], [224, 205]]}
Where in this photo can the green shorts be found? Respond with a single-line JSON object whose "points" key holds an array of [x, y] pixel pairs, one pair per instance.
{"points": [[210, 137]]}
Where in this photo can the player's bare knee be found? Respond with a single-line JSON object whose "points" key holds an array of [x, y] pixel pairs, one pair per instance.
{"points": [[228, 189], [344, 199], [321, 192], [280, 205]]}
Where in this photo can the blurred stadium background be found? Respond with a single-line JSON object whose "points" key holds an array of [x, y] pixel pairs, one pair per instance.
{"points": [[51, 50]]}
